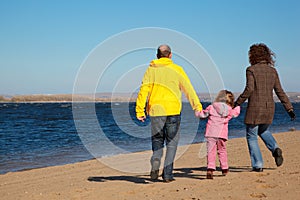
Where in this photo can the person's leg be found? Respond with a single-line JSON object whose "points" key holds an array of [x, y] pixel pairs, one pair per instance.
{"points": [[172, 137], [211, 145], [270, 142], [267, 137], [222, 153], [254, 150], [157, 138]]}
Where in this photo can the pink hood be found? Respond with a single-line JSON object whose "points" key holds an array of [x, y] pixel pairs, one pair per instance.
{"points": [[221, 109]]}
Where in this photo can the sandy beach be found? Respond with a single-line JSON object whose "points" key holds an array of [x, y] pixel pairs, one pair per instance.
{"points": [[126, 177]]}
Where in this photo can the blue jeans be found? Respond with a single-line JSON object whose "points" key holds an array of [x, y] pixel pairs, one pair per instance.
{"points": [[261, 130], [165, 129]]}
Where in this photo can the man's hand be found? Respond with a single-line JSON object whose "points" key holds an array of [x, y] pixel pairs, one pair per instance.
{"points": [[142, 119], [197, 113]]}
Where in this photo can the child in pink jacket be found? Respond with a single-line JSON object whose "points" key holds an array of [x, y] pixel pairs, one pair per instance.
{"points": [[219, 113]]}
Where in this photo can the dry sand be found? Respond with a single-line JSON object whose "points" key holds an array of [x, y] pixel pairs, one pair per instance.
{"points": [[95, 180]]}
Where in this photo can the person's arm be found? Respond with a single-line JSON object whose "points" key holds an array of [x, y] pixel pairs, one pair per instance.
{"points": [[142, 97], [283, 97], [189, 92], [248, 88], [235, 112], [203, 114]]}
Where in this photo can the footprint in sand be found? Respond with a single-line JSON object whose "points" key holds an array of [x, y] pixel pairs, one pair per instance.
{"points": [[258, 195]]}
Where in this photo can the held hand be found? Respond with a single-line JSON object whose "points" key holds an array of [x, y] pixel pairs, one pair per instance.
{"points": [[235, 104], [292, 115], [142, 119], [197, 113]]}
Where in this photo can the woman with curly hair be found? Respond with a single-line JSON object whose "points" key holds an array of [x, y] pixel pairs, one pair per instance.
{"points": [[262, 80]]}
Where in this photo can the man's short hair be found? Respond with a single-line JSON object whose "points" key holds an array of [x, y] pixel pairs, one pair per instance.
{"points": [[163, 51]]}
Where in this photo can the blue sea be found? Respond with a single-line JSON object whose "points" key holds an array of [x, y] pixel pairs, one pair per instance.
{"points": [[34, 135]]}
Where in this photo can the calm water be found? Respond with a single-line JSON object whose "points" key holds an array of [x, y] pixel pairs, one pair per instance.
{"points": [[44, 134]]}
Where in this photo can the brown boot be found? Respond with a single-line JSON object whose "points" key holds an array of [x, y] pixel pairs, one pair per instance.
{"points": [[225, 172], [209, 174]]}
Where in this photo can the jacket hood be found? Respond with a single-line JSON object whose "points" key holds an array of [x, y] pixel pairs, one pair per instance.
{"points": [[161, 62], [221, 108]]}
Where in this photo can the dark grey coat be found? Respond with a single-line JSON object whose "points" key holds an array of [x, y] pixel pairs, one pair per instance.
{"points": [[262, 79]]}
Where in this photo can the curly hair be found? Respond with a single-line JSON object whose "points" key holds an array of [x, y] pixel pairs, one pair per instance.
{"points": [[225, 96], [259, 53]]}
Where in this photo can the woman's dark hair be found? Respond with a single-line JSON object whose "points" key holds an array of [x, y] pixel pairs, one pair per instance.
{"points": [[259, 53]]}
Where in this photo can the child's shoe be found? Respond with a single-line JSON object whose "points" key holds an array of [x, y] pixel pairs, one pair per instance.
{"points": [[225, 172], [209, 174]]}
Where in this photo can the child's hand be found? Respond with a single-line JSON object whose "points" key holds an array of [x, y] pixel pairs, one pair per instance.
{"points": [[202, 114]]}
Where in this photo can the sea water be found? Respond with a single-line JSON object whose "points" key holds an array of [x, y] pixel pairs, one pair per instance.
{"points": [[34, 135]]}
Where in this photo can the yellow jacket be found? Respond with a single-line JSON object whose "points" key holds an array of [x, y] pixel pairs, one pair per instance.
{"points": [[161, 87]]}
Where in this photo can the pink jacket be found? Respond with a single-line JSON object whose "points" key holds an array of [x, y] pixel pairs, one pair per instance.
{"points": [[218, 115]]}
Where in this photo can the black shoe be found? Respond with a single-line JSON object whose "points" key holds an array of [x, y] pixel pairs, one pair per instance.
{"points": [[155, 169], [154, 174], [254, 169], [277, 154], [169, 180]]}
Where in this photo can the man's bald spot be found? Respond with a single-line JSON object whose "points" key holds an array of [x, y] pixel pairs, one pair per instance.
{"points": [[163, 51]]}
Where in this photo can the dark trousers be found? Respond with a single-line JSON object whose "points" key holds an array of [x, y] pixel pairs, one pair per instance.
{"points": [[165, 130]]}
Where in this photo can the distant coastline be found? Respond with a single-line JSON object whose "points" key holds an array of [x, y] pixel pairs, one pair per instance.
{"points": [[106, 97], [61, 98]]}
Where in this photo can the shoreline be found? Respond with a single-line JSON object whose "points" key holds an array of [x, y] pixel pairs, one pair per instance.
{"points": [[93, 178], [105, 157], [141, 151]]}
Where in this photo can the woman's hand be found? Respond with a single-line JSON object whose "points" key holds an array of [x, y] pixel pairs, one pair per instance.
{"points": [[292, 114]]}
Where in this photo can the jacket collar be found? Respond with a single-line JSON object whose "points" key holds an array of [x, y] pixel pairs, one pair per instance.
{"points": [[161, 62]]}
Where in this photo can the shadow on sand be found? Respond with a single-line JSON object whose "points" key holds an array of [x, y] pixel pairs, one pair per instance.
{"points": [[193, 173]]}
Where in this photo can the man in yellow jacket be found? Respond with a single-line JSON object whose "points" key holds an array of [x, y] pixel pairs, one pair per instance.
{"points": [[161, 89]]}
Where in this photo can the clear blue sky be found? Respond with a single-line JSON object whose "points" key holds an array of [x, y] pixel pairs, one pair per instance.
{"points": [[44, 42]]}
